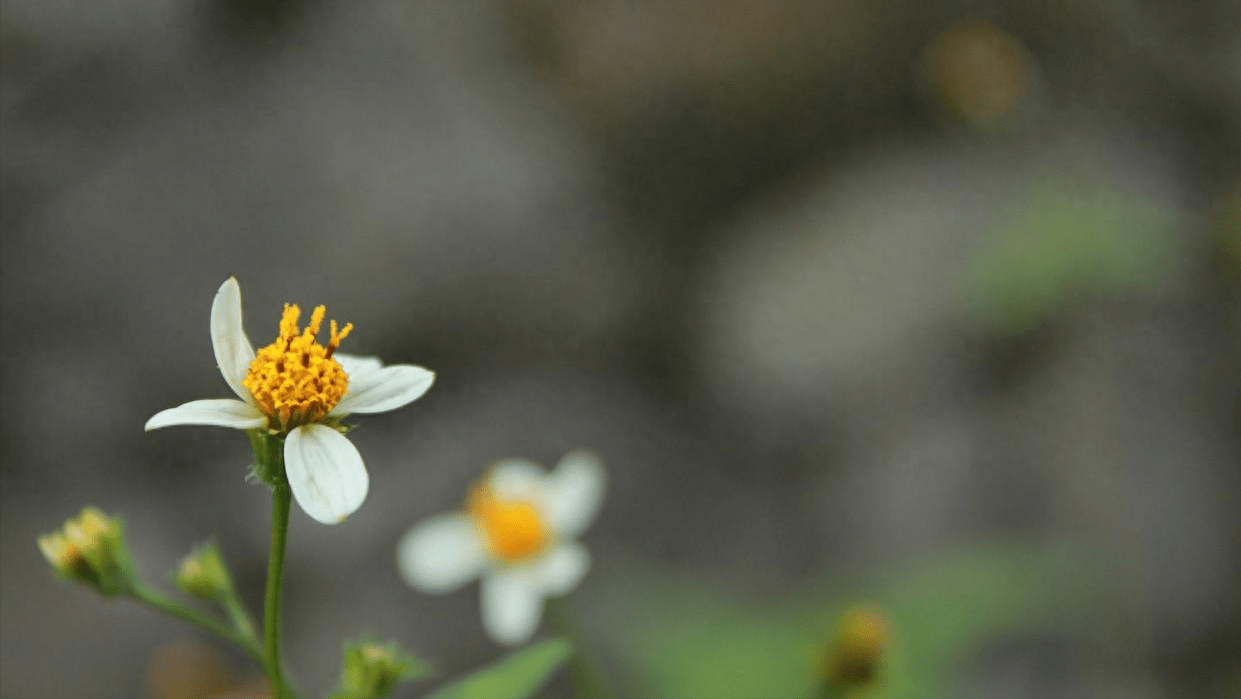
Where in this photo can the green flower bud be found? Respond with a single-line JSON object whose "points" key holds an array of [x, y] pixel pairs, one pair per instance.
{"points": [[90, 549], [372, 671], [202, 574]]}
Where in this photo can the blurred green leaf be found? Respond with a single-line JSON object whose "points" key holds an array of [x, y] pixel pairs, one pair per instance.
{"points": [[940, 613], [683, 638], [519, 675], [1060, 244]]}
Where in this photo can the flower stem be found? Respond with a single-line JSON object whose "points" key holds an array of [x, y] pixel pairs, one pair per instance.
{"points": [[242, 621], [208, 623], [280, 498], [588, 678]]}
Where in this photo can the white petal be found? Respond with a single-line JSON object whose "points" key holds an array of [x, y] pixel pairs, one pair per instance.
{"points": [[356, 366], [442, 553], [325, 472], [218, 412], [233, 351], [574, 493], [561, 569], [518, 479], [381, 390], [511, 606]]}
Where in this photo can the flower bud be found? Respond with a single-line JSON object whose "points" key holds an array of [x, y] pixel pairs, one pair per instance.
{"points": [[90, 549], [855, 656], [371, 670], [202, 574]]}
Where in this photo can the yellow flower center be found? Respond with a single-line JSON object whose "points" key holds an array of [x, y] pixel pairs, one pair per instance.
{"points": [[512, 529], [295, 380]]}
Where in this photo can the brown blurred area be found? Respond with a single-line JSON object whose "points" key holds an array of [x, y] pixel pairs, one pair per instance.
{"points": [[782, 264]]}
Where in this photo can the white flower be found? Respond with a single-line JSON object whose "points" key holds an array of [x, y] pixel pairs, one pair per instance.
{"points": [[518, 532], [294, 386]]}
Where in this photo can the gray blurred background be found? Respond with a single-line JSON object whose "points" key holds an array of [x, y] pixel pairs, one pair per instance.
{"points": [[828, 285]]}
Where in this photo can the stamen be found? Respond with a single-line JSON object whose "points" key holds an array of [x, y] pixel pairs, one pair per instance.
{"points": [[295, 380], [334, 342], [288, 322], [316, 321]]}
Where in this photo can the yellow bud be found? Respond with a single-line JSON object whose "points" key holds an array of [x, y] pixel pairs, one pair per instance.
{"points": [[856, 653], [89, 549]]}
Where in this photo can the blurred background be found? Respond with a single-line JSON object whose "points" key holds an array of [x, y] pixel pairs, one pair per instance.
{"points": [[935, 306]]}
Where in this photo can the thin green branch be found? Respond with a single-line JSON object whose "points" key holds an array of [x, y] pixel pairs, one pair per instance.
{"points": [[159, 602], [240, 616]]}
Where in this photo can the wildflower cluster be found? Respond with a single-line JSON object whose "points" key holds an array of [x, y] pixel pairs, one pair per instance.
{"points": [[517, 530]]}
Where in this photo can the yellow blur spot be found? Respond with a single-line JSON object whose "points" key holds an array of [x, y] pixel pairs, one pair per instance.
{"points": [[979, 71], [856, 653]]}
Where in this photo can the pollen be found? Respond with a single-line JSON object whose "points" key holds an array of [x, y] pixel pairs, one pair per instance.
{"points": [[513, 530], [295, 380]]}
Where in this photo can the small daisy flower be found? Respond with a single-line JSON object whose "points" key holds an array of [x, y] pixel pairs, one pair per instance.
{"points": [[517, 530], [299, 389]]}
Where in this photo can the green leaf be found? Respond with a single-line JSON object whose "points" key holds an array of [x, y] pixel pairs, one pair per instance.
{"points": [[1057, 245], [943, 611], [519, 675]]}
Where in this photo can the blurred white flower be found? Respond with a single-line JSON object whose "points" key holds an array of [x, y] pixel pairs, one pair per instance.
{"points": [[300, 388], [518, 532]]}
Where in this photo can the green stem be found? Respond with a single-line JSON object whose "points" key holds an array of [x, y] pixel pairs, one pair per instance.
{"points": [[237, 613], [280, 498], [223, 631], [588, 677]]}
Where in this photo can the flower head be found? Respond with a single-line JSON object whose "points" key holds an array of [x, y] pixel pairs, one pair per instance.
{"points": [[517, 530], [298, 389], [295, 380]]}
